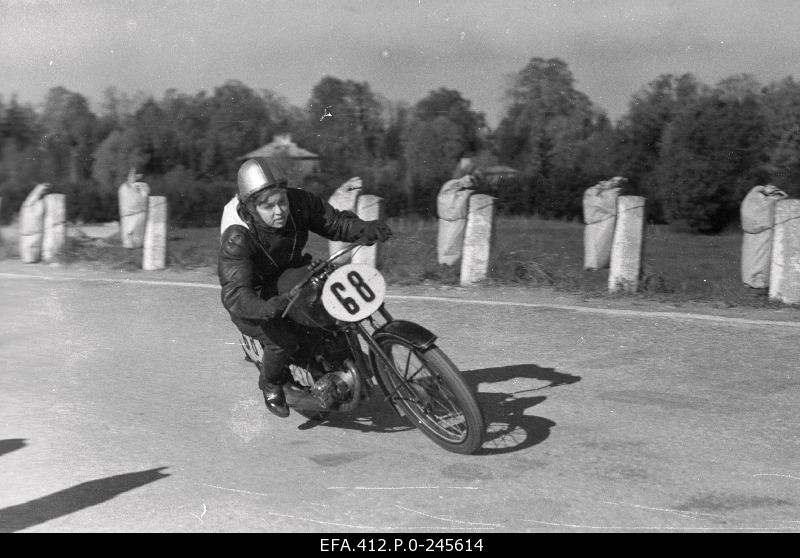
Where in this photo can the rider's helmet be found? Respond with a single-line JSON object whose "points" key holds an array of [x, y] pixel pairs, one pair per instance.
{"points": [[257, 174]]}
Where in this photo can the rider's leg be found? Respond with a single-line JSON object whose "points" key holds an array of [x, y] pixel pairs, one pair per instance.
{"points": [[280, 341]]}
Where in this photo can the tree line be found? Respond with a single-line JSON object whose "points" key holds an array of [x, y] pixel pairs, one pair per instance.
{"points": [[691, 149]]}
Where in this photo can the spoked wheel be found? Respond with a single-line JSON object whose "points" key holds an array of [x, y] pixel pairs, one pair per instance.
{"points": [[431, 393]]}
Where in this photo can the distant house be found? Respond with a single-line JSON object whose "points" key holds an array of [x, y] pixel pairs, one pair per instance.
{"points": [[498, 172], [285, 151]]}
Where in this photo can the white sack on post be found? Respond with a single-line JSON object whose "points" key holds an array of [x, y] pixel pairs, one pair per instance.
{"points": [[133, 211], [758, 220], [452, 207], [600, 217], [31, 224]]}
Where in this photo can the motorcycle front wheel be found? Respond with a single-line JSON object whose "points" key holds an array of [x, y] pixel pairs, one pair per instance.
{"points": [[428, 389]]}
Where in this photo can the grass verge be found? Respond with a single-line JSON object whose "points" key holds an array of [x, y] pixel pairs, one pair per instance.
{"points": [[677, 267]]}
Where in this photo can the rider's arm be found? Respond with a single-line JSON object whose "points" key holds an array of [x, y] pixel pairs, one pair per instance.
{"points": [[237, 277], [329, 222]]}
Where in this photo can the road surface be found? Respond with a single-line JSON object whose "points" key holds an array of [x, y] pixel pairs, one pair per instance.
{"points": [[126, 406]]}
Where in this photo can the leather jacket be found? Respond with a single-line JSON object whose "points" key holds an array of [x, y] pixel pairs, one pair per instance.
{"points": [[252, 258]]}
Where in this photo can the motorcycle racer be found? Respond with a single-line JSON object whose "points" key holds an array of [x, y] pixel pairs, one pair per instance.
{"points": [[276, 222]]}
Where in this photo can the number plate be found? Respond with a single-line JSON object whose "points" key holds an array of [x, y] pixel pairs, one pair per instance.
{"points": [[353, 292]]}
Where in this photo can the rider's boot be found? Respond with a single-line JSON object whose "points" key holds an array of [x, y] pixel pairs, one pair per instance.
{"points": [[275, 399]]}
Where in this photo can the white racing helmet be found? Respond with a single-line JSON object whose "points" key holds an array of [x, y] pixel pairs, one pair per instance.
{"points": [[258, 174]]}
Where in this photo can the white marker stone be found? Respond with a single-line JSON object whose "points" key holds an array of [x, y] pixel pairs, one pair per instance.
{"points": [[133, 213], [600, 217], [784, 283], [345, 198], [154, 254], [369, 208], [626, 249], [31, 225], [55, 226], [452, 206], [477, 239]]}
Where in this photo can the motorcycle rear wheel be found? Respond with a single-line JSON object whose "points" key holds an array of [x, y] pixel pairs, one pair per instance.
{"points": [[428, 389]]}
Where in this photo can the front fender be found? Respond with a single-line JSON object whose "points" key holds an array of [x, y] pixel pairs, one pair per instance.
{"points": [[419, 337], [400, 330]]}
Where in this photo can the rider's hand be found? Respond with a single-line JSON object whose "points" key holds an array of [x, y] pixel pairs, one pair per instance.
{"points": [[375, 231], [278, 304]]}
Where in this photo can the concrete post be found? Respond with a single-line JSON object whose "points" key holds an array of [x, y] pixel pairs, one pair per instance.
{"points": [[31, 224], [369, 208], [784, 281], [477, 239], [345, 198], [55, 226], [626, 250], [154, 254]]}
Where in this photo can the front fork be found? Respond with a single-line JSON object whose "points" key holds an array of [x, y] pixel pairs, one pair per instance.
{"points": [[358, 330], [352, 334]]}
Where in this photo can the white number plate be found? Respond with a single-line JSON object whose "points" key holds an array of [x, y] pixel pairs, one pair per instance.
{"points": [[353, 292]]}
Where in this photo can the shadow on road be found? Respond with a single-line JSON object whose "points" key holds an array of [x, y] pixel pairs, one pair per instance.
{"points": [[508, 427], [12, 444], [70, 500], [373, 415]]}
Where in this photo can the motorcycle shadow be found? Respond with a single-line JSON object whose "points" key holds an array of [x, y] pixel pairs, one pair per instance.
{"points": [[508, 427], [372, 415]]}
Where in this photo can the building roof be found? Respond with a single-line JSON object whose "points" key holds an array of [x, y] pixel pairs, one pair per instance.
{"points": [[499, 169], [281, 145]]}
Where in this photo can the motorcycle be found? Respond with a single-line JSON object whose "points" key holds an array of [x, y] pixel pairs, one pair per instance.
{"points": [[359, 346]]}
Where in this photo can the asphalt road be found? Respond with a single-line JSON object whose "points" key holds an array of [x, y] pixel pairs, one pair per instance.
{"points": [[128, 407]]}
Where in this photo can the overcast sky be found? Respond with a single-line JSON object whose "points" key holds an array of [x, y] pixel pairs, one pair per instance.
{"points": [[403, 48]]}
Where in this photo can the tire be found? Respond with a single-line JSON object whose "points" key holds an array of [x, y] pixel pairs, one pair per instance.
{"points": [[433, 397]]}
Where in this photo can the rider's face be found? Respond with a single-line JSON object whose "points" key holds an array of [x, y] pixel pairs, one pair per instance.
{"points": [[273, 208]]}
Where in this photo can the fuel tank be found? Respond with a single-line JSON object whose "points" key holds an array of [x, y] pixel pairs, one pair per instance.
{"points": [[307, 309]]}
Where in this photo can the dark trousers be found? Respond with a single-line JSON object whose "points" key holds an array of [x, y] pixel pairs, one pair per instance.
{"points": [[282, 339]]}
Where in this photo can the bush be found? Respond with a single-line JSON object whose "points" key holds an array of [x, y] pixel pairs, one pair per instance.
{"points": [[85, 201], [12, 198], [191, 202]]}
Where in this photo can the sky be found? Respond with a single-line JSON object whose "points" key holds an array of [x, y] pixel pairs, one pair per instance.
{"points": [[403, 48]]}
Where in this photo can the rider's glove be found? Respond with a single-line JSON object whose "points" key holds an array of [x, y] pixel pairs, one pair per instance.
{"points": [[375, 231], [277, 304]]}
